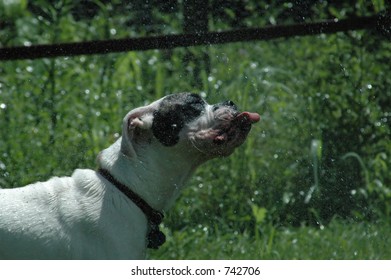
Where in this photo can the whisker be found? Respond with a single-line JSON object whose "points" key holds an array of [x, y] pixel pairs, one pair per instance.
{"points": [[192, 141]]}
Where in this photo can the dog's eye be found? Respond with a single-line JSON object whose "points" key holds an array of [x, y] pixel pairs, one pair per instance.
{"points": [[227, 103], [230, 103]]}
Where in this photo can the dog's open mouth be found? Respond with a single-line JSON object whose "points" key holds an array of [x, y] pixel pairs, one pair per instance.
{"points": [[237, 129]]}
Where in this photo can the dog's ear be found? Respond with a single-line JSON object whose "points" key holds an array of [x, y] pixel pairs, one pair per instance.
{"points": [[134, 123]]}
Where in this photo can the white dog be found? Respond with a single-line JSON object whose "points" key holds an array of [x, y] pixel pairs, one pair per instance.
{"points": [[114, 212]]}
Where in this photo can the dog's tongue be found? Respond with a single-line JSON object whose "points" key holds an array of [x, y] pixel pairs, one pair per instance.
{"points": [[247, 116]]}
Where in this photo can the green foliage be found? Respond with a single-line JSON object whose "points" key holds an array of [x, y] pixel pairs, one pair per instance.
{"points": [[337, 241], [321, 150], [12, 8]]}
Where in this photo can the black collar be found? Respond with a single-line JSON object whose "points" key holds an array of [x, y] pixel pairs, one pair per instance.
{"points": [[155, 237]]}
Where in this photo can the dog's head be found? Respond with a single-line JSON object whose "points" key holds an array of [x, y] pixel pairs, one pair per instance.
{"points": [[187, 121]]}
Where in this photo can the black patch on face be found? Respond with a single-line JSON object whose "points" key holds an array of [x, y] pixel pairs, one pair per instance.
{"points": [[174, 112]]}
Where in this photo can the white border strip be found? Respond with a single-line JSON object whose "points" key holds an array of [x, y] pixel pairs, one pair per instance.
{"points": [[148, 270]]}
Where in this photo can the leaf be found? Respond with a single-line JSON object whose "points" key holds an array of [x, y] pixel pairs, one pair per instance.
{"points": [[316, 149], [378, 5], [12, 8], [259, 213]]}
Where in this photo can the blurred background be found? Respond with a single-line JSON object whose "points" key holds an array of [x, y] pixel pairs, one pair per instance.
{"points": [[313, 179]]}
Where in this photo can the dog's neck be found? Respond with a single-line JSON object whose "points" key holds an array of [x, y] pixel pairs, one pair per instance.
{"points": [[157, 175]]}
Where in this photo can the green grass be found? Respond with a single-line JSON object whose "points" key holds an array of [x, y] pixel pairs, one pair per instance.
{"points": [[339, 241]]}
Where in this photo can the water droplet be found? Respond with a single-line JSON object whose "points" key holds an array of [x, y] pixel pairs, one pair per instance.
{"points": [[152, 60]]}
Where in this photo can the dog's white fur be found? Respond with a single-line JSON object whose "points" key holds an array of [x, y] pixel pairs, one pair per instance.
{"points": [[85, 216]]}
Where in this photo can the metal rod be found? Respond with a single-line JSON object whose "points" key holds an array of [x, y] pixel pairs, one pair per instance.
{"points": [[187, 40]]}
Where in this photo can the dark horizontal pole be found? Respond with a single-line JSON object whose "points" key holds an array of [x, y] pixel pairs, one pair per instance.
{"points": [[187, 40]]}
